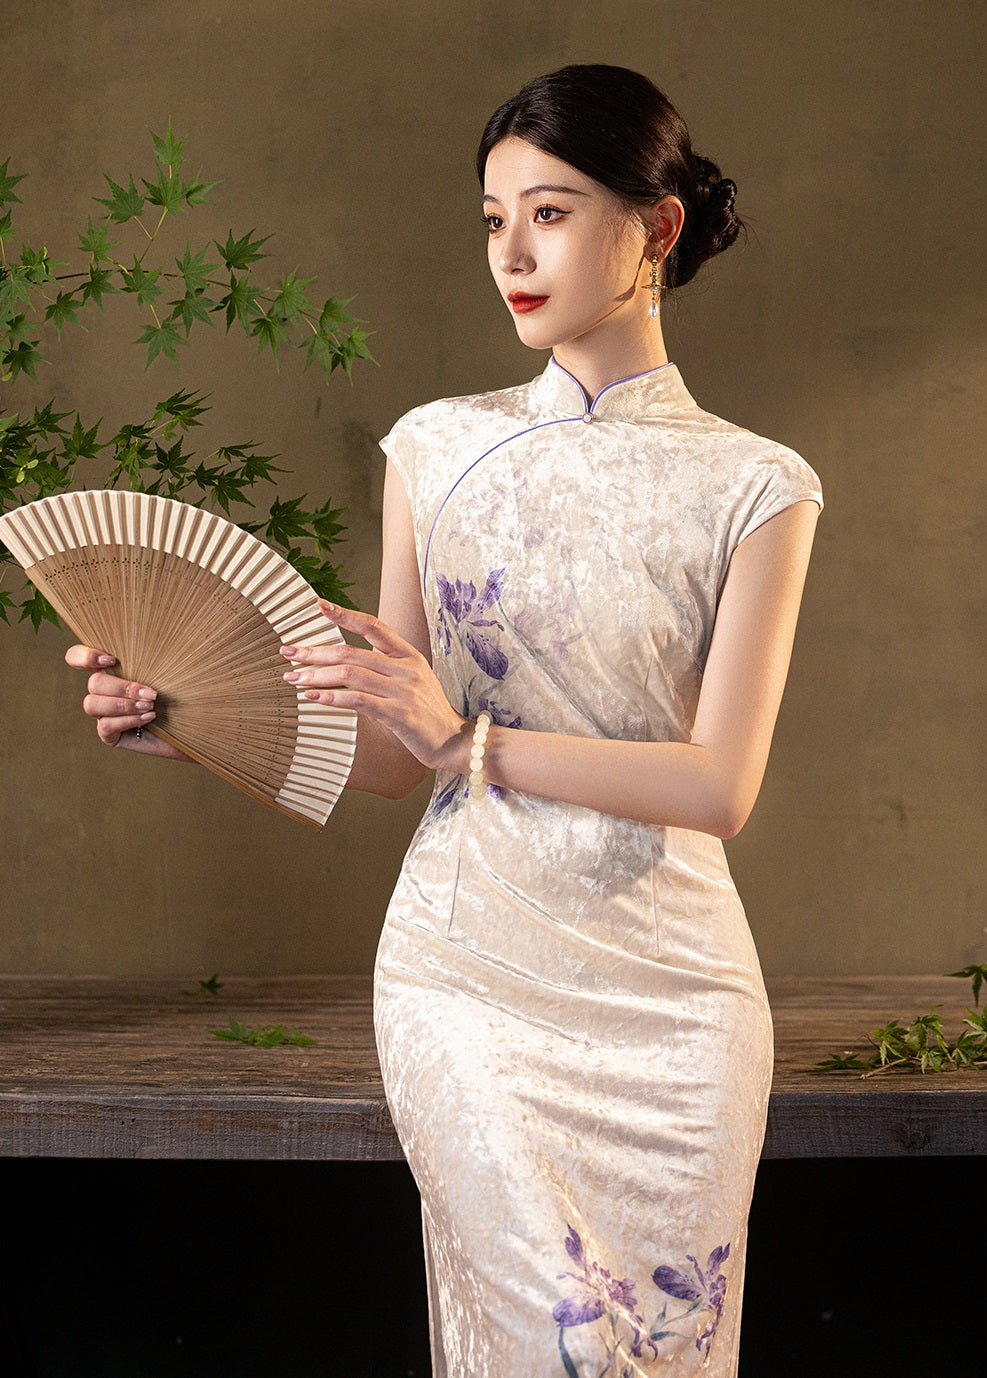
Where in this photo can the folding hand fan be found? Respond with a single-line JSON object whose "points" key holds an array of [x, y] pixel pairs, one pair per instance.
{"points": [[193, 606]]}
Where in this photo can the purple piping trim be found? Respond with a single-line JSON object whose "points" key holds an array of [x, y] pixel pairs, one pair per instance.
{"points": [[590, 408], [615, 384], [506, 441]]}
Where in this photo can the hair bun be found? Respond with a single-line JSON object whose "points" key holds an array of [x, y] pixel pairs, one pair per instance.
{"points": [[711, 224]]}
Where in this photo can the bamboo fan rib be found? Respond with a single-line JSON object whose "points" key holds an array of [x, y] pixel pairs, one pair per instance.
{"points": [[194, 606]]}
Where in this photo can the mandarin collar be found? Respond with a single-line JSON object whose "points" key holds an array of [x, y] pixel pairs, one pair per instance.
{"points": [[639, 397]]}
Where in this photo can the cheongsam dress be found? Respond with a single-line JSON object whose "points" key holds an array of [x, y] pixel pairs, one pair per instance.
{"points": [[572, 1025]]}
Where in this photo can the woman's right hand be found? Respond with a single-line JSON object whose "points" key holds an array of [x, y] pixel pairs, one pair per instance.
{"points": [[119, 706]]}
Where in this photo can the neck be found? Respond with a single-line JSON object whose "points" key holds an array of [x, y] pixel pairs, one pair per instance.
{"points": [[595, 364]]}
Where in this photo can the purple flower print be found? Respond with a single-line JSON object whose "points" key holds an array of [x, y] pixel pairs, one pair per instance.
{"points": [[445, 798], [501, 716], [598, 1294], [461, 607], [708, 1290]]}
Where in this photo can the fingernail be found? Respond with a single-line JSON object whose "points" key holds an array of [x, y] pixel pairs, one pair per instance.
{"points": [[146, 717], [291, 676], [144, 707], [312, 694], [328, 607], [105, 660], [289, 651], [144, 693]]}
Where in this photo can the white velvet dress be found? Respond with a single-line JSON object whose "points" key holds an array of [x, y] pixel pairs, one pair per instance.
{"points": [[573, 1030]]}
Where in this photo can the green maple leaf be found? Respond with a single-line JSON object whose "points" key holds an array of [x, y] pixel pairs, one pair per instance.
{"points": [[211, 987], [194, 269], [194, 306], [334, 316], [7, 183], [125, 204], [845, 1062], [285, 522], [161, 339], [240, 253], [269, 332], [325, 526], [46, 420], [183, 409], [261, 1036], [82, 444], [319, 349], [252, 467], [165, 191], [39, 610], [229, 488], [195, 193], [290, 300], [21, 359], [352, 348], [37, 266], [5, 602], [96, 241], [239, 301], [99, 285], [14, 291], [170, 151], [142, 281], [977, 974], [63, 311]]}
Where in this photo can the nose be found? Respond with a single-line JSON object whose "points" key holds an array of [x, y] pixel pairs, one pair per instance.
{"points": [[514, 252]]}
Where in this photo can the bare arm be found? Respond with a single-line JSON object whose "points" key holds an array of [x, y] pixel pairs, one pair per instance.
{"points": [[382, 765], [709, 784]]}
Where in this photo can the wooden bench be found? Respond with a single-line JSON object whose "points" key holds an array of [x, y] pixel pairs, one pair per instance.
{"points": [[94, 1067]]}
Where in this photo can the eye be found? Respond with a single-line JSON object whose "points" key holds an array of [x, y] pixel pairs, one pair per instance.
{"points": [[547, 215], [493, 223]]}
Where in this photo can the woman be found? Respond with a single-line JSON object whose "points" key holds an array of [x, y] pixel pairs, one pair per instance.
{"points": [[589, 596]]}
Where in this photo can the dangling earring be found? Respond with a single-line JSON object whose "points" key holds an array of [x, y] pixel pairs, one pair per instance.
{"points": [[655, 286]]}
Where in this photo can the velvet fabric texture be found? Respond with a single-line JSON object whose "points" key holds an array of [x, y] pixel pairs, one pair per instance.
{"points": [[573, 1029]]}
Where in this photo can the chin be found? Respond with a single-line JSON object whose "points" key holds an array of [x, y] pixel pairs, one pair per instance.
{"points": [[535, 334]]}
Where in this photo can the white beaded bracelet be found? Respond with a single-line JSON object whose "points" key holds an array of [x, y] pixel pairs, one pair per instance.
{"points": [[477, 784]]}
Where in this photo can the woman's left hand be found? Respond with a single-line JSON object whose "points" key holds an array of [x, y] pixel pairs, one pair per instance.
{"points": [[392, 684]]}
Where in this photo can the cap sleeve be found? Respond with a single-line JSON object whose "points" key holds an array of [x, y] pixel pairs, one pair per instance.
{"points": [[398, 446], [780, 479]]}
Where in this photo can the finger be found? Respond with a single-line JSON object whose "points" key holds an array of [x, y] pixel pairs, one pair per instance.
{"points": [[109, 706], [114, 687], [87, 658], [363, 679], [372, 629], [110, 730], [323, 665]]}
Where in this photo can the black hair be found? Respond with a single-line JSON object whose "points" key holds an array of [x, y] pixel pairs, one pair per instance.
{"points": [[615, 126]]}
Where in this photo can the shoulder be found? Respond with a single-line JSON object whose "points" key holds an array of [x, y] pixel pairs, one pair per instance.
{"points": [[504, 404], [436, 432], [759, 477]]}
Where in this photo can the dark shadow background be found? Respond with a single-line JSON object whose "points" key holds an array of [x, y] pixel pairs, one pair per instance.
{"points": [[873, 1268]]}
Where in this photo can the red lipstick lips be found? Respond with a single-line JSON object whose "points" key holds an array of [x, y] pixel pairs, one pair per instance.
{"points": [[520, 301]]}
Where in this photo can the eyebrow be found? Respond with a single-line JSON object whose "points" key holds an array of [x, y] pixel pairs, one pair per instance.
{"points": [[536, 191]]}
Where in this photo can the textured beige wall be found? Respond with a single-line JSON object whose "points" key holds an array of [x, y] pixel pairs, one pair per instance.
{"points": [[850, 327]]}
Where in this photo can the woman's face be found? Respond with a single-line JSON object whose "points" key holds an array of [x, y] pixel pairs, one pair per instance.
{"points": [[566, 256]]}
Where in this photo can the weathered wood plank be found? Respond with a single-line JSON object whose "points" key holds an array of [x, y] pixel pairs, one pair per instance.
{"points": [[123, 1067], [842, 1115], [93, 1067]]}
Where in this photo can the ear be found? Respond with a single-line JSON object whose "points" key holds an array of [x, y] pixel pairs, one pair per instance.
{"points": [[663, 222]]}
